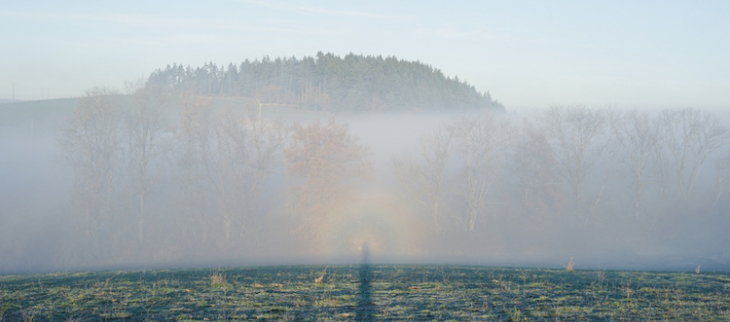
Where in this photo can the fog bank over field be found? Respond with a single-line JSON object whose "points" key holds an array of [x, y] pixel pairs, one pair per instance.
{"points": [[156, 178], [280, 132]]}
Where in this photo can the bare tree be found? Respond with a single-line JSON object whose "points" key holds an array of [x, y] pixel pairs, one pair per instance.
{"points": [[146, 124], [580, 137], [192, 151], [637, 136], [535, 166], [242, 160], [91, 141], [723, 175], [480, 139], [423, 179], [226, 157], [690, 137]]}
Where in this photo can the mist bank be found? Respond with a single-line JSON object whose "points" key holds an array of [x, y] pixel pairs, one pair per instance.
{"points": [[155, 179]]}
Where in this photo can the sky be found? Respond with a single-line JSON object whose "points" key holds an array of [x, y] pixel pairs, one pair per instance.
{"points": [[527, 54]]}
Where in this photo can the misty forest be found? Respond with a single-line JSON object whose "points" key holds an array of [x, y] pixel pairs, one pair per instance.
{"points": [[313, 159]]}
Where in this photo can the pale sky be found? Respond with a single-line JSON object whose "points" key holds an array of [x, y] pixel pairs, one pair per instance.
{"points": [[527, 54]]}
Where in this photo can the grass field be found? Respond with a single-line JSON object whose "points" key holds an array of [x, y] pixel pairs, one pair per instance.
{"points": [[366, 292]]}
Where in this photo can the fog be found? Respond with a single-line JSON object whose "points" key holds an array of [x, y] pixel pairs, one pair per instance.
{"points": [[163, 179]]}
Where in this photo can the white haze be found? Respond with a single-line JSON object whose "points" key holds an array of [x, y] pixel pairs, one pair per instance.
{"points": [[40, 230]]}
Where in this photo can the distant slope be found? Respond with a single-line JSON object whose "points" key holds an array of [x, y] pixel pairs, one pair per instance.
{"points": [[42, 115], [7, 100], [27, 117], [330, 83]]}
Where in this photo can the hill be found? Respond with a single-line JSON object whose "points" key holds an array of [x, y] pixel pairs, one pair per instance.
{"points": [[24, 118], [19, 117], [330, 83]]}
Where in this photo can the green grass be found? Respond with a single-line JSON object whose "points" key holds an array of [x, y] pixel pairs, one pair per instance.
{"points": [[386, 292]]}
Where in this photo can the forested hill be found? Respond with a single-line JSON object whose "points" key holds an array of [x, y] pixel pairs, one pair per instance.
{"points": [[330, 83]]}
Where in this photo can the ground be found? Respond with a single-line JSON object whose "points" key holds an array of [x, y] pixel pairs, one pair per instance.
{"points": [[366, 292]]}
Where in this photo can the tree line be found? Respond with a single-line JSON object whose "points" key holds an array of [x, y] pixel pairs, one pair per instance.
{"points": [[151, 157], [327, 82], [178, 172], [564, 161]]}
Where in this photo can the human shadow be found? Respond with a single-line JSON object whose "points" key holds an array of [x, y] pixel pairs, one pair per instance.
{"points": [[365, 306]]}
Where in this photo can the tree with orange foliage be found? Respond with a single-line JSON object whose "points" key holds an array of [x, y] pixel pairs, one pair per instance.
{"points": [[324, 159]]}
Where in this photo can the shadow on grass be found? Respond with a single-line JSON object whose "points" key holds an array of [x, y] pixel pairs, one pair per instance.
{"points": [[365, 306]]}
